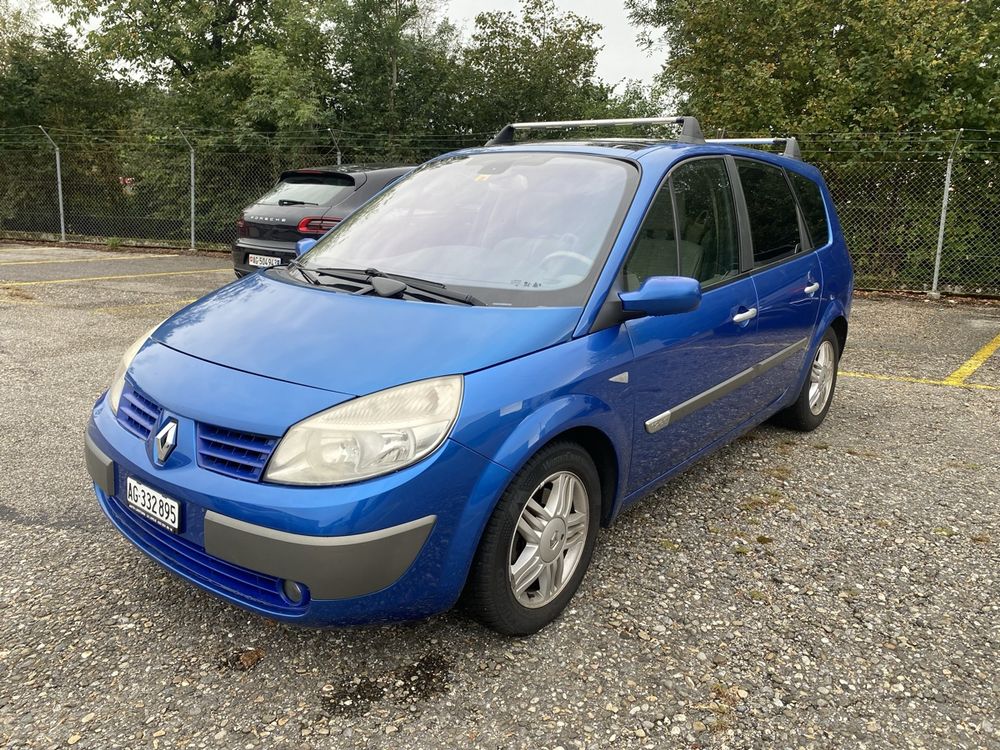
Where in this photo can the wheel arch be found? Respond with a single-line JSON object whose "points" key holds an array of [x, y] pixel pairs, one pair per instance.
{"points": [[839, 326], [602, 452]]}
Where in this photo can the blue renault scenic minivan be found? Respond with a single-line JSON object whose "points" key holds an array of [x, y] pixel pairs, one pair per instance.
{"points": [[451, 392]]}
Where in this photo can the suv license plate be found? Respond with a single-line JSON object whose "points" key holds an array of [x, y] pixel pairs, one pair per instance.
{"points": [[153, 505], [263, 261]]}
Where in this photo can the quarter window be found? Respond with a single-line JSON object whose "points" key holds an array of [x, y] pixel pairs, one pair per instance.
{"points": [[774, 222], [708, 239], [811, 201]]}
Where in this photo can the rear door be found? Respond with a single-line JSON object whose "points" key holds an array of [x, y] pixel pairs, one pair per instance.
{"points": [[787, 275], [683, 375]]}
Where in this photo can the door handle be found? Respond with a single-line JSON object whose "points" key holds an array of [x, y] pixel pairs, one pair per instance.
{"points": [[812, 288], [743, 317]]}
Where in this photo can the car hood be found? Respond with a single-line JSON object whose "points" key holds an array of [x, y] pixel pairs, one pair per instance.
{"points": [[351, 344]]}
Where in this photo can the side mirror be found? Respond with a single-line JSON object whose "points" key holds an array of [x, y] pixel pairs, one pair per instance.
{"points": [[663, 295], [303, 246]]}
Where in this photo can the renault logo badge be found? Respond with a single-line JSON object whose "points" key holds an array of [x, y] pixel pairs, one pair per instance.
{"points": [[165, 441]]}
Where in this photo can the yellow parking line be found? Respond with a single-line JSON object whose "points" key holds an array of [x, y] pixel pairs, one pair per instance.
{"points": [[922, 381], [140, 305], [80, 260], [113, 278], [974, 362]]}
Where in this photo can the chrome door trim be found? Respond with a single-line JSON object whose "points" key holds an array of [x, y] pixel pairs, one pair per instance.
{"points": [[657, 423]]}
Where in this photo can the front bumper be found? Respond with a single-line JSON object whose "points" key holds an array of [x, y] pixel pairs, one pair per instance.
{"points": [[236, 550]]}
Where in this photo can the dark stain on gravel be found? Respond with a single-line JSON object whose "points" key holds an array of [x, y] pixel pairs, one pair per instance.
{"points": [[428, 676], [355, 698]]}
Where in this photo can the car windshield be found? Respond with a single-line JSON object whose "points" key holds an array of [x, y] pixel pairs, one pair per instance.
{"points": [[513, 228], [309, 189]]}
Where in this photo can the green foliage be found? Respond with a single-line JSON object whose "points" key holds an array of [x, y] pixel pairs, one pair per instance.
{"points": [[541, 66], [815, 66]]}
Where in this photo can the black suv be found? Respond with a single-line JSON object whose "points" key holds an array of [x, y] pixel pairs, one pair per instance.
{"points": [[305, 203]]}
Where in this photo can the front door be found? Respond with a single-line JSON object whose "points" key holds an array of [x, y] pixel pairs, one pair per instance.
{"points": [[685, 377]]}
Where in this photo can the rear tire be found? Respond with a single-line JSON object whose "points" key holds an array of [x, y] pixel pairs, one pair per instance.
{"points": [[813, 403], [538, 543]]}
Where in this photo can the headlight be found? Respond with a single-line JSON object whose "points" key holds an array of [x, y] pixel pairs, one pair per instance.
{"points": [[118, 379], [368, 436]]}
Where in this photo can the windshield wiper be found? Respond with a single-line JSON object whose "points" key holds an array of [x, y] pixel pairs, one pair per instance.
{"points": [[291, 202], [426, 288], [305, 272]]}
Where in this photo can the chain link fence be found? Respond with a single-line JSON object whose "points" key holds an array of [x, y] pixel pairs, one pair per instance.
{"points": [[136, 189]]}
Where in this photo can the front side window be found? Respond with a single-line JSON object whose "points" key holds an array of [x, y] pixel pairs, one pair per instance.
{"points": [[811, 200], [654, 252], [774, 221], [709, 240], [515, 228]]}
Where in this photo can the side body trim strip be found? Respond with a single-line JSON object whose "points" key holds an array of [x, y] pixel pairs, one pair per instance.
{"points": [[657, 423]]}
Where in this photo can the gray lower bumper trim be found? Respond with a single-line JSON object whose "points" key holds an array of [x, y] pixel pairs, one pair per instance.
{"points": [[100, 467], [333, 567]]}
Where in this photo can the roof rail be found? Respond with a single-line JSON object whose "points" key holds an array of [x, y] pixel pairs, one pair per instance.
{"points": [[690, 129], [791, 145]]}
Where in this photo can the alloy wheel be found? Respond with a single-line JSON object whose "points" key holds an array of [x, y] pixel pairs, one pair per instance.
{"points": [[549, 539], [821, 377]]}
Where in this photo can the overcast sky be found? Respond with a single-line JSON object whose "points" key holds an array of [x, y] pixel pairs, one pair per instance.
{"points": [[621, 56]]}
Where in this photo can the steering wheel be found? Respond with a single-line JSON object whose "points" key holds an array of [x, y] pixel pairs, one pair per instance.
{"points": [[580, 258]]}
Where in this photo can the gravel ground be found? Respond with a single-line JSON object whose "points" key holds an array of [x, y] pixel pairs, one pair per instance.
{"points": [[837, 589]]}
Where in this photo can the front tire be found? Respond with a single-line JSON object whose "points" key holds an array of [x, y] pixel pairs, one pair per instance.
{"points": [[538, 543], [813, 403]]}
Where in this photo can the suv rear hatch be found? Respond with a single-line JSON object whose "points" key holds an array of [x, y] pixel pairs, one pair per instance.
{"points": [[301, 204]]}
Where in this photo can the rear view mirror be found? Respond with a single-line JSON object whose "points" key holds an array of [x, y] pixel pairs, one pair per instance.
{"points": [[303, 246], [663, 295]]}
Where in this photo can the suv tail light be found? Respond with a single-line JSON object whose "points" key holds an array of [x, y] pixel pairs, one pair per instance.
{"points": [[241, 227], [317, 224]]}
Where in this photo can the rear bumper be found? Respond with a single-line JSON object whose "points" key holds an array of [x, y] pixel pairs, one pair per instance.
{"points": [[242, 251]]}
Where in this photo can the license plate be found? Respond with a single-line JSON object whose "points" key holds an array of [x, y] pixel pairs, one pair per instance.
{"points": [[153, 505], [263, 261]]}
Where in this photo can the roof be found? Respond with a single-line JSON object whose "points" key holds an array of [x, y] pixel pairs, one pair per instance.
{"points": [[689, 134]]}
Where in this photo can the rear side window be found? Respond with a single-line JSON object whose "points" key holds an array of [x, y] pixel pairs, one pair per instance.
{"points": [[811, 201], [308, 189], [774, 222]]}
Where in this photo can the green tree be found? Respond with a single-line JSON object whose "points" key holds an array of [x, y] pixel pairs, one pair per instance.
{"points": [[536, 67], [815, 65], [400, 71], [159, 38]]}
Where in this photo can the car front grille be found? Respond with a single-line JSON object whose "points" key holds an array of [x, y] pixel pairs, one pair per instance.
{"points": [[242, 455], [190, 560], [238, 454], [137, 413]]}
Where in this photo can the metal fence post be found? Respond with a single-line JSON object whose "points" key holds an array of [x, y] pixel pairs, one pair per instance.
{"points": [[191, 151], [336, 144], [62, 216], [934, 293]]}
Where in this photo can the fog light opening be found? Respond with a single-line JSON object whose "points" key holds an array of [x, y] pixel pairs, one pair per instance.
{"points": [[294, 592]]}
